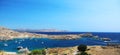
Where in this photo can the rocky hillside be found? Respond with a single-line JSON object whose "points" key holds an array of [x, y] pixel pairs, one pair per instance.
{"points": [[6, 33]]}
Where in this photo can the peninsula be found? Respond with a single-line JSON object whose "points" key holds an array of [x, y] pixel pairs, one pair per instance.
{"points": [[6, 34]]}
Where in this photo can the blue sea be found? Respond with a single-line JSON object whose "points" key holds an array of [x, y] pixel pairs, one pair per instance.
{"points": [[112, 35], [39, 43]]}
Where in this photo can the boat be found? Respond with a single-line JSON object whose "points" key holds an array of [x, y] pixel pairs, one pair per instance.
{"points": [[19, 42], [19, 47], [42, 42], [24, 50], [16, 41], [5, 44]]}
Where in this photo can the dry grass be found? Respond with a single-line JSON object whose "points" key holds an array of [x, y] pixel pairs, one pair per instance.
{"points": [[61, 51], [94, 50], [98, 50]]}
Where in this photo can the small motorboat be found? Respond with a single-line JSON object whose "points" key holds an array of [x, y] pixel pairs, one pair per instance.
{"points": [[19, 47], [24, 50]]}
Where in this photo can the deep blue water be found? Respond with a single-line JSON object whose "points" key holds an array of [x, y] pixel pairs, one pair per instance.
{"points": [[38, 43]]}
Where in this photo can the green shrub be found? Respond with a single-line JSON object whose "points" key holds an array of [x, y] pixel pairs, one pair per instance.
{"points": [[82, 48], [38, 52]]}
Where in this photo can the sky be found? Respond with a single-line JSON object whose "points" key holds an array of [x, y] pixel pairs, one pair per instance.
{"points": [[72, 15]]}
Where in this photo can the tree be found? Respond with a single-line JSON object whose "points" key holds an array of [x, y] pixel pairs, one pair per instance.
{"points": [[82, 48]]}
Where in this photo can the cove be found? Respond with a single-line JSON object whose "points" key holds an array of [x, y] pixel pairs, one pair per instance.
{"points": [[39, 43]]}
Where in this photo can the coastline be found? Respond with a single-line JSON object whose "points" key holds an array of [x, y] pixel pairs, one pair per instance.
{"points": [[7, 53]]}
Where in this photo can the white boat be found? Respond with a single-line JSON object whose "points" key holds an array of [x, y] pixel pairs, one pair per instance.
{"points": [[16, 41], [19, 47], [24, 50], [42, 42], [19, 42], [5, 44]]}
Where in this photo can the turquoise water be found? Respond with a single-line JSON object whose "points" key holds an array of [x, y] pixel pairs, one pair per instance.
{"points": [[38, 43]]}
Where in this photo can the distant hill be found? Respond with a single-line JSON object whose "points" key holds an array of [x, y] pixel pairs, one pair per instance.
{"points": [[39, 30]]}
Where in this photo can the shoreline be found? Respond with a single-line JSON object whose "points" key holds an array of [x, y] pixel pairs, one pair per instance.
{"points": [[8, 53]]}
